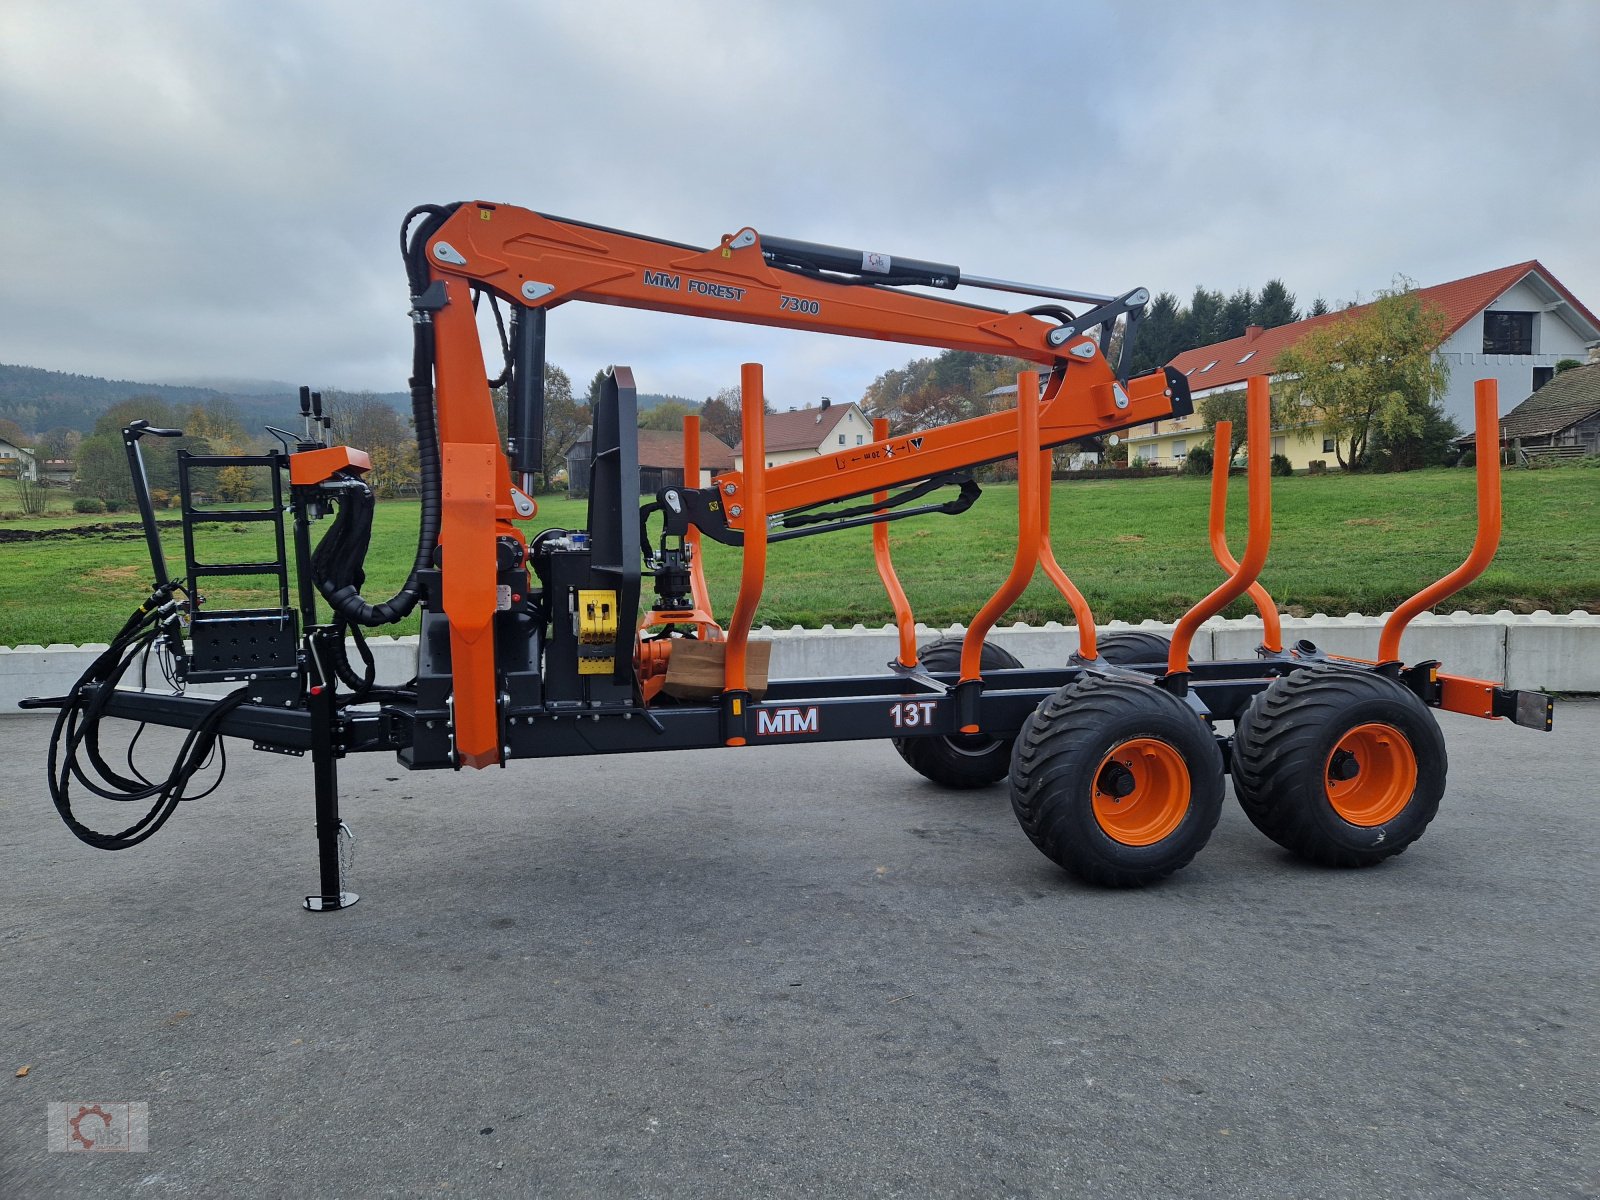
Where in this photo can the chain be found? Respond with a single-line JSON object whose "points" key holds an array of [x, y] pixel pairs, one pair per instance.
{"points": [[347, 857]]}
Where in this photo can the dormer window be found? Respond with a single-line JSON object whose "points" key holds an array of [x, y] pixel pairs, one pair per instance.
{"points": [[1508, 333]]}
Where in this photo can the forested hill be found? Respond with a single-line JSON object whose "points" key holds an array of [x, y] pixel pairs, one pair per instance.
{"points": [[38, 400]]}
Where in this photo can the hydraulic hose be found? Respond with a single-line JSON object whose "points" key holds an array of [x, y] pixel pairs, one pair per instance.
{"points": [[77, 730], [337, 565]]}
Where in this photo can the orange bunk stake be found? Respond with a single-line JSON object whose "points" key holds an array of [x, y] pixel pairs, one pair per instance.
{"points": [[1486, 397], [1272, 626], [1027, 555], [749, 501], [1047, 559], [904, 621], [1258, 426]]}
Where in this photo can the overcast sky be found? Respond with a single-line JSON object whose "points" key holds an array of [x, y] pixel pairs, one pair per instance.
{"points": [[214, 189]]}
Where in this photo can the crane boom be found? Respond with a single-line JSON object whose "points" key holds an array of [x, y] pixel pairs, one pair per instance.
{"points": [[536, 263]]}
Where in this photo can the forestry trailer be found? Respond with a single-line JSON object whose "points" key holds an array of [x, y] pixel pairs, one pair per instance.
{"points": [[543, 644]]}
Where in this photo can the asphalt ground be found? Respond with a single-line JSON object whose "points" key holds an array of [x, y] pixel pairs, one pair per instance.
{"points": [[799, 971]]}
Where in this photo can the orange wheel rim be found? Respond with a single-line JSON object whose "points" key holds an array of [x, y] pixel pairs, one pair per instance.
{"points": [[1141, 791], [1371, 774]]}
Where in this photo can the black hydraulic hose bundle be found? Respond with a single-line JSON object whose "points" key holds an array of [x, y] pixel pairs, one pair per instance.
{"points": [[77, 732], [362, 687], [337, 562]]}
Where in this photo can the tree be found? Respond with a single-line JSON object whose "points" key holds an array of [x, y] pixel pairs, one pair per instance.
{"points": [[364, 422], [1232, 407], [31, 496], [565, 420], [218, 420], [1238, 313], [596, 382], [1431, 444], [885, 395], [1274, 306], [234, 485], [668, 415], [103, 464], [13, 433], [1319, 308], [102, 469], [951, 386], [395, 470], [1372, 372], [720, 416], [58, 444], [1203, 322], [1225, 406], [1160, 338]]}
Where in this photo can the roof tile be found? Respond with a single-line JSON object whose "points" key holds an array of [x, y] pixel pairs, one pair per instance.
{"points": [[664, 448], [800, 428], [1572, 396]]}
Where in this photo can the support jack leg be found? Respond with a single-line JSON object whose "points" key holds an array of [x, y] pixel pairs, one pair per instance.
{"points": [[333, 835], [333, 896]]}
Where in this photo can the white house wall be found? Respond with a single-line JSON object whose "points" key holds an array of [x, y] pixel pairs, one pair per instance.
{"points": [[855, 429], [27, 466], [1553, 340], [777, 458]]}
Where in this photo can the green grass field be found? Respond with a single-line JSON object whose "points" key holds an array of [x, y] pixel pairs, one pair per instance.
{"points": [[1137, 548]]}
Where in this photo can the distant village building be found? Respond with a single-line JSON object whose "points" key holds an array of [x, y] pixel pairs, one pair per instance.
{"points": [[660, 461], [58, 472], [1560, 420], [1513, 325], [17, 462], [1079, 455], [808, 432]]}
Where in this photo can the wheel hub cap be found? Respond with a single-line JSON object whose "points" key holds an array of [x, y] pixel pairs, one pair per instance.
{"points": [[1371, 775], [1141, 791]]}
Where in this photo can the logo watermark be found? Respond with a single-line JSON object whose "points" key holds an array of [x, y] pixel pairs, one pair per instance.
{"points": [[99, 1128]]}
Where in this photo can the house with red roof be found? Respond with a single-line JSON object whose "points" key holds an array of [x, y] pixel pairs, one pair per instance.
{"points": [[660, 461], [1512, 324], [808, 432]]}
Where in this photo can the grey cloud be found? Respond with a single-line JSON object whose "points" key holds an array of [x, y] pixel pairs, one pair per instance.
{"points": [[215, 189]]}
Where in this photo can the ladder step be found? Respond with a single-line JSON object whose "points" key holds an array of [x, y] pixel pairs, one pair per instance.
{"points": [[209, 515], [232, 460], [270, 568]]}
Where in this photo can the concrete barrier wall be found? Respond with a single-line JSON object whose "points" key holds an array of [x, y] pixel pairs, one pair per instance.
{"points": [[1542, 651]]}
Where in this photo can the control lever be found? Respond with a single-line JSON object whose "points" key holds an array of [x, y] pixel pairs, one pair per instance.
{"points": [[131, 433], [138, 429]]}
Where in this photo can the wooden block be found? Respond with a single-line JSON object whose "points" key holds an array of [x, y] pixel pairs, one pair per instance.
{"points": [[695, 669]]}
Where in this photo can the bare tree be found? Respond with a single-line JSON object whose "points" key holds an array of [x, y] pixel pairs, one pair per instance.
{"points": [[31, 494]]}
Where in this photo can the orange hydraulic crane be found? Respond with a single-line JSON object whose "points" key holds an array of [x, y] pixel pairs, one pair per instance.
{"points": [[536, 263], [536, 647]]}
